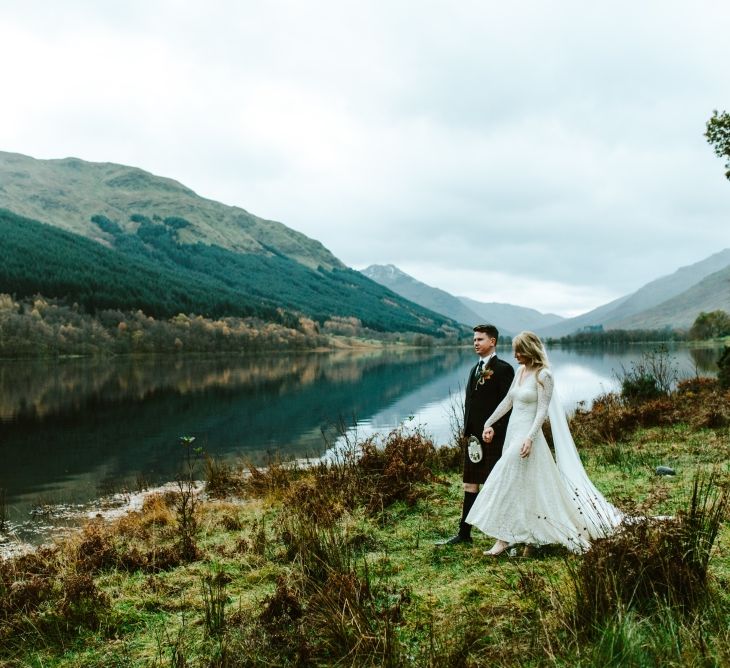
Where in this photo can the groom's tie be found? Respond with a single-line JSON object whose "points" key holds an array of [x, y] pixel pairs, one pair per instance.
{"points": [[478, 372]]}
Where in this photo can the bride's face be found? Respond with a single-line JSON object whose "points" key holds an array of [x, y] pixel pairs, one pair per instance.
{"points": [[521, 359]]}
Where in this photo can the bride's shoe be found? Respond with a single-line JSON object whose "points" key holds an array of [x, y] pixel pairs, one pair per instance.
{"points": [[498, 549]]}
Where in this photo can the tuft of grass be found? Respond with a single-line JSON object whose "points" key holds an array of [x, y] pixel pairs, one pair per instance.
{"points": [[215, 598], [651, 561], [222, 479]]}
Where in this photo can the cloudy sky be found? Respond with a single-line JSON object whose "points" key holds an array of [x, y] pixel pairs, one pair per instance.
{"points": [[548, 154]]}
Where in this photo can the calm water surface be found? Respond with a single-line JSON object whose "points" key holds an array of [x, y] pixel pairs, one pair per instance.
{"points": [[71, 430]]}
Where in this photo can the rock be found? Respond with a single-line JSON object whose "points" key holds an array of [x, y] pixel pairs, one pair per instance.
{"points": [[665, 470]]}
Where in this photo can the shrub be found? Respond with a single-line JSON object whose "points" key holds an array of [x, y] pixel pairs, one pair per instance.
{"points": [[82, 602], [448, 459], [607, 421], [283, 606], [272, 479], [185, 503], [341, 611], [376, 473], [650, 561], [95, 550], [404, 461], [314, 498], [640, 388], [26, 582], [221, 479], [653, 375], [697, 401], [690, 387]]}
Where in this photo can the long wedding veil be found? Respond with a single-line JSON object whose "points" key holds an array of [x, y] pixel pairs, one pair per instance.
{"points": [[601, 516]]}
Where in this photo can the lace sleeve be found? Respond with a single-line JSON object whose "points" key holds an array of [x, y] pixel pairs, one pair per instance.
{"points": [[545, 385], [504, 406]]}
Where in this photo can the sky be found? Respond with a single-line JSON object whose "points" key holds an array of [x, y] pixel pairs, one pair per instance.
{"points": [[546, 154]]}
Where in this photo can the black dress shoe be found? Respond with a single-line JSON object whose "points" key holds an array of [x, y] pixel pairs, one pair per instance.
{"points": [[455, 540]]}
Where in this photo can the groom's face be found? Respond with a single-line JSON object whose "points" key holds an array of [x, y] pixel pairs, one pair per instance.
{"points": [[484, 344]]}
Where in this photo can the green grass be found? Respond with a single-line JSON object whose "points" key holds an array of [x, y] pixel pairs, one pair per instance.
{"points": [[425, 605]]}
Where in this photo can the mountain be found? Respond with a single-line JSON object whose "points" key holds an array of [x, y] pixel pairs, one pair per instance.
{"points": [[66, 193], [512, 318], [670, 301], [712, 293], [431, 298], [508, 318], [108, 236]]}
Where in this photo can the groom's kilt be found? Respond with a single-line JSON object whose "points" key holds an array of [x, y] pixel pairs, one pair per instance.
{"points": [[477, 473]]}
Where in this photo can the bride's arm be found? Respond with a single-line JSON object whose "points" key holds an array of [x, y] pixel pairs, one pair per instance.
{"points": [[504, 406], [545, 384]]}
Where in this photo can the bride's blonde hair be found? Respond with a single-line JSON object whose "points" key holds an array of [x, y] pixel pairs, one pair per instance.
{"points": [[528, 345]]}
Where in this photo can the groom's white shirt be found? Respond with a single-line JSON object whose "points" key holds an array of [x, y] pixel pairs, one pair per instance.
{"points": [[486, 359]]}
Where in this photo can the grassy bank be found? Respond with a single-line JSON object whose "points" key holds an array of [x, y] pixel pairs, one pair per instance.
{"points": [[337, 565]]}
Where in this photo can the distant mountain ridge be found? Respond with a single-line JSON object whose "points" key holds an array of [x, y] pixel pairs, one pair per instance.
{"points": [[508, 318], [514, 318], [671, 301], [712, 293], [434, 299], [109, 236]]}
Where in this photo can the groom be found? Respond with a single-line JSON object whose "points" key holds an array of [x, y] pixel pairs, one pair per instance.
{"points": [[487, 384]]}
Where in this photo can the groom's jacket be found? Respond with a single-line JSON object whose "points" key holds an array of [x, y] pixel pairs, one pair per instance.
{"points": [[480, 400]]}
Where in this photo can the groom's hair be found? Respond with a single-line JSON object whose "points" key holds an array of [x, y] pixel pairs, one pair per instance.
{"points": [[490, 330]]}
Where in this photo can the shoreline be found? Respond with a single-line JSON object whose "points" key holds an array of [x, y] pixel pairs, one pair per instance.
{"points": [[107, 508], [71, 518]]}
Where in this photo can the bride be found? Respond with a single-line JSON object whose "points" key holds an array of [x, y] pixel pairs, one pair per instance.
{"points": [[529, 498]]}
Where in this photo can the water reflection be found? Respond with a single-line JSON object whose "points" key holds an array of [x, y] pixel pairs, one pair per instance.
{"points": [[582, 374], [705, 359], [72, 428]]}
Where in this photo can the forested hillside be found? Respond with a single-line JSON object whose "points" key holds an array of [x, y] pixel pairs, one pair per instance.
{"points": [[152, 270]]}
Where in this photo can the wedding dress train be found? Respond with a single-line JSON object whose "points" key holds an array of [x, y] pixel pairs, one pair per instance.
{"points": [[538, 500]]}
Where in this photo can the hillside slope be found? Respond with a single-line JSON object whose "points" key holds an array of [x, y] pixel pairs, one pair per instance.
{"points": [[112, 236], [66, 193], [434, 299], [710, 294], [508, 318], [637, 310], [513, 319]]}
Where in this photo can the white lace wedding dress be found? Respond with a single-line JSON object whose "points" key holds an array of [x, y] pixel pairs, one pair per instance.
{"points": [[534, 500]]}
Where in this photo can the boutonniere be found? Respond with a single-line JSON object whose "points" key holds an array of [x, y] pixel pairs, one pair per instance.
{"points": [[485, 374]]}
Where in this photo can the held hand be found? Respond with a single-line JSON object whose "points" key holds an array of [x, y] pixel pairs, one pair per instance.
{"points": [[488, 434], [526, 448]]}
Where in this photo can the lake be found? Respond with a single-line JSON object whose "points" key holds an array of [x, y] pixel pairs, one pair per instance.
{"points": [[75, 429]]}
